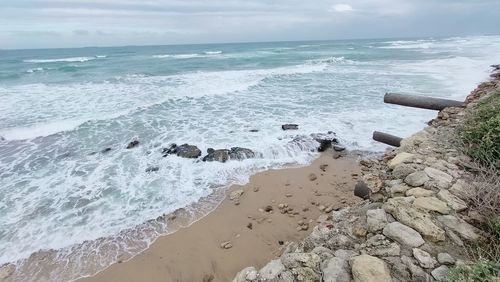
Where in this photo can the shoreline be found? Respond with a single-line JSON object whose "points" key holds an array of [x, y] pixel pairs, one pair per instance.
{"points": [[244, 230]]}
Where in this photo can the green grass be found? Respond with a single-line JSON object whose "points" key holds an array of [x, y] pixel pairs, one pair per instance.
{"points": [[481, 132], [481, 271]]}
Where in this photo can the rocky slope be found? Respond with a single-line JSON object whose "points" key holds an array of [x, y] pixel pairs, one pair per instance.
{"points": [[412, 228]]}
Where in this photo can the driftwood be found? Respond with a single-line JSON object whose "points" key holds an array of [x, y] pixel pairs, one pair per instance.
{"points": [[421, 102], [387, 138]]}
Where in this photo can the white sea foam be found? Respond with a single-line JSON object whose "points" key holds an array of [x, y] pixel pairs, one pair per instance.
{"points": [[72, 59], [212, 52]]}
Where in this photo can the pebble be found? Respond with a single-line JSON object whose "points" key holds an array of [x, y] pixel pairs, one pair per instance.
{"points": [[250, 226], [312, 177], [226, 245], [256, 189], [323, 167], [288, 195]]}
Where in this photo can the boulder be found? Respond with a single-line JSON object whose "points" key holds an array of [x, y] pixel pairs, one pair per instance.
{"points": [[417, 273], [459, 189], [419, 192], [416, 179], [322, 252], [361, 190], [220, 155], [424, 258], [403, 234], [432, 204], [184, 151], [403, 170], [271, 270], [236, 194], [452, 201], [305, 274], [238, 153], [366, 268], [376, 220], [399, 189], [440, 273], [415, 218], [464, 229], [335, 270], [399, 159], [290, 126], [445, 258]]}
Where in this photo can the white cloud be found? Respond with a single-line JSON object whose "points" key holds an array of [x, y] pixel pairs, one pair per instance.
{"points": [[342, 8]]}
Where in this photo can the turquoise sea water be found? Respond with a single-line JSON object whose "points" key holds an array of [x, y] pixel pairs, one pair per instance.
{"points": [[59, 106]]}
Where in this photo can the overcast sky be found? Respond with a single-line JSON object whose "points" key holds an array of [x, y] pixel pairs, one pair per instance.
{"points": [[74, 23]]}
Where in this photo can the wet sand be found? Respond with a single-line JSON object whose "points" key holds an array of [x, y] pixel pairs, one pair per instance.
{"points": [[196, 253]]}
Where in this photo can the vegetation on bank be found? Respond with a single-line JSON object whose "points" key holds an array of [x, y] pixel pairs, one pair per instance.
{"points": [[480, 136], [481, 132]]}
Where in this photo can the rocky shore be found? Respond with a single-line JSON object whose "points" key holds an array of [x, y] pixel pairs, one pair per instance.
{"points": [[413, 225]]}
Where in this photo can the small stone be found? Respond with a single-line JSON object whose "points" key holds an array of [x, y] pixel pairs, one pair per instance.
{"points": [[328, 209], [323, 167], [290, 126], [236, 194], [305, 226], [399, 189], [250, 226], [208, 278], [268, 209], [338, 148], [256, 189], [321, 208], [424, 258], [312, 177], [358, 230], [416, 179], [226, 245], [440, 273], [288, 195], [445, 258], [432, 204]]}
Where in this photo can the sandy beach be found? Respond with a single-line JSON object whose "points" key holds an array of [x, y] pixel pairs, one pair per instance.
{"points": [[276, 206]]}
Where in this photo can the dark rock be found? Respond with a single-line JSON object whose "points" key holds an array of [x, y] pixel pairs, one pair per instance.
{"points": [[220, 155], [152, 169], [133, 144], [250, 226], [290, 126], [254, 130], [338, 148], [325, 140], [324, 145], [268, 208], [106, 150], [170, 150], [188, 151], [183, 151], [238, 153], [361, 190], [281, 243], [495, 67]]}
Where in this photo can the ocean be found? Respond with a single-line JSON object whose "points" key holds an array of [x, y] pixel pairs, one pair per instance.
{"points": [[65, 199]]}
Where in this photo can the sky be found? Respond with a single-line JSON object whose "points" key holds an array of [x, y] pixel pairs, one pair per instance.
{"points": [[81, 23]]}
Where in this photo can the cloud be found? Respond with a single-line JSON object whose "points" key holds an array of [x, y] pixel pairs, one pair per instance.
{"points": [[342, 8], [148, 22]]}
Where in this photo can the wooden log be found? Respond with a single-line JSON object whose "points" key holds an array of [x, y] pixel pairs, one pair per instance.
{"points": [[421, 102], [387, 138]]}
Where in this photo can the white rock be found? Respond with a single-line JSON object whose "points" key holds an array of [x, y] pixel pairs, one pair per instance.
{"points": [[432, 204], [271, 270], [438, 175], [335, 269], [399, 159], [246, 275], [452, 201], [403, 234], [6, 270], [376, 220], [459, 189], [424, 258], [366, 268]]}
